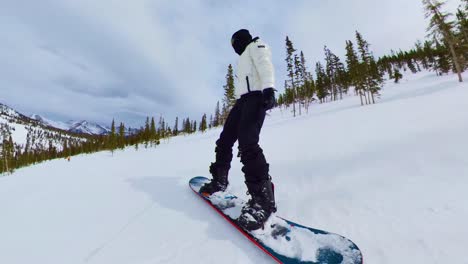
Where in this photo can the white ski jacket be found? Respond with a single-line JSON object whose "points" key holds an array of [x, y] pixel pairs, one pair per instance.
{"points": [[254, 69]]}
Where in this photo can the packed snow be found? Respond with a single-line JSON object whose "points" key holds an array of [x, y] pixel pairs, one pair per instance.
{"points": [[303, 245], [392, 177]]}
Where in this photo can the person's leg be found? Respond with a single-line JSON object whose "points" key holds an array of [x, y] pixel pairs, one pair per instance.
{"points": [[228, 137], [255, 168], [220, 168], [251, 121]]}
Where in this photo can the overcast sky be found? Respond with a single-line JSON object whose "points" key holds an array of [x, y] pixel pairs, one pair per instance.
{"points": [[104, 59]]}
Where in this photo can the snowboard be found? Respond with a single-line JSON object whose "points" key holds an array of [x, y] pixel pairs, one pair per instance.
{"points": [[283, 240]]}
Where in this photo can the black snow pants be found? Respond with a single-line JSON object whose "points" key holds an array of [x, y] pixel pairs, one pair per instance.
{"points": [[244, 122]]}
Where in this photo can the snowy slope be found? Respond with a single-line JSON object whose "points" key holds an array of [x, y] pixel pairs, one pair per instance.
{"points": [[392, 177], [19, 131]]}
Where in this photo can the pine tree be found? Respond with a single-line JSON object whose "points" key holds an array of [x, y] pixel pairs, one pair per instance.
{"points": [[330, 72], [298, 81], [290, 87], [309, 90], [288, 94], [303, 69], [280, 100], [352, 62], [162, 129], [397, 75], [336, 74], [307, 82], [411, 65], [153, 133], [147, 132], [113, 137], [442, 62], [343, 85], [122, 135], [421, 56], [229, 89], [363, 49], [320, 82], [203, 124], [441, 28], [429, 54], [175, 131], [372, 78], [462, 21], [462, 35], [217, 116], [289, 59], [224, 113], [375, 79], [194, 126], [7, 148], [353, 68], [187, 126]]}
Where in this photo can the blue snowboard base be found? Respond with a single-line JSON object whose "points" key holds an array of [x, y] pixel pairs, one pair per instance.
{"points": [[285, 241]]}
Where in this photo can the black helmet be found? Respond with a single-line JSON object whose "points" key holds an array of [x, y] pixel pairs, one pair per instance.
{"points": [[240, 40]]}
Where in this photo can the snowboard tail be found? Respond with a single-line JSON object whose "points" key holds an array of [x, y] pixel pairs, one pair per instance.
{"points": [[283, 240]]}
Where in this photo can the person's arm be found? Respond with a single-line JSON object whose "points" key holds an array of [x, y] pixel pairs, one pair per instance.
{"points": [[261, 57]]}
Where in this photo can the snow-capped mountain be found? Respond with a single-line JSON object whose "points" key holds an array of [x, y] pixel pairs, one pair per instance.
{"points": [[48, 122], [7, 111], [34, 133], [87, 128], [80, 127]]}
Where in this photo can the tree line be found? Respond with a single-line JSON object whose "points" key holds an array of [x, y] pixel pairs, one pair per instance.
{"points": [[46, 143], [331, 80], [40, 145], [445, 50]]}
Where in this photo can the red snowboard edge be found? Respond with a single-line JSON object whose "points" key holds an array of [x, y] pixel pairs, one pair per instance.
{"points": [[237, 227]]}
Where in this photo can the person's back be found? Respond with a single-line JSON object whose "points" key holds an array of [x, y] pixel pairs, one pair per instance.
{"points": [[254, 68]]}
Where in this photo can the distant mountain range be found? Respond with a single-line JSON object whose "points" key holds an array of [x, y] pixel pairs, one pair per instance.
{"points": [[76, 127], [81, 127], [29, 134]]}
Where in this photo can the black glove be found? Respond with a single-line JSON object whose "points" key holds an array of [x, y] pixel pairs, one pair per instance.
{"points": [[269, 100]]}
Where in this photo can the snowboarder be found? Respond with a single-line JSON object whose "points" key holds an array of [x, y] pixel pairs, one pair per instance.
{"points": [[255, 95]]}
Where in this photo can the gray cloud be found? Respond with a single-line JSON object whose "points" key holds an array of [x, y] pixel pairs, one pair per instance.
{"points": [[98, 60]]}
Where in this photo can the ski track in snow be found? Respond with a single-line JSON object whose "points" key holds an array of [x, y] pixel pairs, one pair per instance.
{"points": [[113, 238], [392, 177]]}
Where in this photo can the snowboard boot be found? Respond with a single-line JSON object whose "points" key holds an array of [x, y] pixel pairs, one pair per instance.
{"points": [[259, 208], [219, 182]]}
